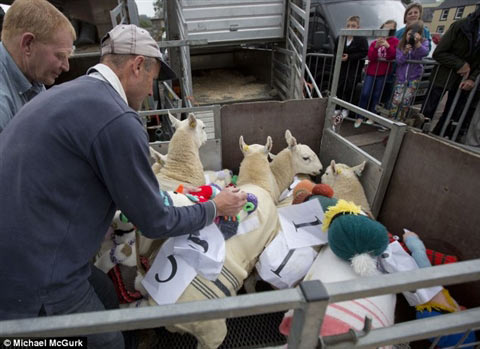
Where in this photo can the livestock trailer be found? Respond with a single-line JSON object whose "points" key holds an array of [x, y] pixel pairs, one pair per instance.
{"points": [[231, 51]]}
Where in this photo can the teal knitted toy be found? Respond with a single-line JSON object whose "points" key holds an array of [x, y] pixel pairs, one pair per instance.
{"points": [[353, 236]]}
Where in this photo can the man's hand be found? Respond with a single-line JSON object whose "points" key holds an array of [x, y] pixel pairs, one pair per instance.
{"points": [[230, 201], [464, 70], [344, 57], [467, 85]]}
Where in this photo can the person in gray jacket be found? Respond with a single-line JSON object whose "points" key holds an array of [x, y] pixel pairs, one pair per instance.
{"points": [[71, 157]]}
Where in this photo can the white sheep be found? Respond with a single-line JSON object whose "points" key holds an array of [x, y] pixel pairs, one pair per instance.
{"points": [[345, 183], [183, 165], [241, 251], [295, 159]]}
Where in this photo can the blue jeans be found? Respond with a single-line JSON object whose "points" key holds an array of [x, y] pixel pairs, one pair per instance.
{"points": [[371, 90]]}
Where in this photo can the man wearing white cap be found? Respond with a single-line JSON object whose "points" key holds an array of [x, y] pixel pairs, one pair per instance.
{"points": [[68, 159]]}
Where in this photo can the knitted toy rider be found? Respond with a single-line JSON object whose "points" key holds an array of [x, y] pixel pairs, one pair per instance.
{"points": [[227, 225], [352, 236]]}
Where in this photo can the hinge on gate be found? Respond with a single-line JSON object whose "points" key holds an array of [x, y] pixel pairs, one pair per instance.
{"points": [[350, 336]]}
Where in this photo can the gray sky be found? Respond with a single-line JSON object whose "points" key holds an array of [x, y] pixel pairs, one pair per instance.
{"points": [[145, 7]]}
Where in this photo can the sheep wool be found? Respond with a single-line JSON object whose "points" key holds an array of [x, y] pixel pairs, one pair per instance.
{"points": [[183, 162]]}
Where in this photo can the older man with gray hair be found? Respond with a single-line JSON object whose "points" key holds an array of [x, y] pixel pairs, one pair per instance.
{"points": [[37, 40], [68, 159]]}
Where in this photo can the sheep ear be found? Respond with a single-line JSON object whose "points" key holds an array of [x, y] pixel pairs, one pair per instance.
{"points": [[291, 141], [359, 169], [271, 156], [162, 159], [243, 146], [192, 120], [158, 157], [175, 122], [332, 165], [268, 145]]}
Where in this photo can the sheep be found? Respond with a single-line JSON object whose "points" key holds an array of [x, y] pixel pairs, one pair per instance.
{"points": [[295, 159], [342, 316], [345, 183], [241, 251], [183, 165]]}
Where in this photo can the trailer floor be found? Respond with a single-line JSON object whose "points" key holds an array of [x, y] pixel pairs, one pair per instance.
{"points": [[220, 86]]}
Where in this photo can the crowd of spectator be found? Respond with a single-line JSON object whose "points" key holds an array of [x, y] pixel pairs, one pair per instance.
{"points": [[395, 71]]}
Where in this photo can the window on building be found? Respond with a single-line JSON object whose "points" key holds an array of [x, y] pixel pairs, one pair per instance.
{"points": [[444, 15], [459, 12], [440, 29]]}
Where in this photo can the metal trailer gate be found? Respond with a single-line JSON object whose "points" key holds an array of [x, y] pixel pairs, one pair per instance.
{"points": [[309, 302]]}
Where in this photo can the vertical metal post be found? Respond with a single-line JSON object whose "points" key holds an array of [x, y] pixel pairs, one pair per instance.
{"points": [[336, 74], [465, 109], [388, 163], [307, 321]]}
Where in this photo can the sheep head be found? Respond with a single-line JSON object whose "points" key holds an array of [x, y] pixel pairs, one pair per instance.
{"points": [[193, 125], [304, 159], [335, 171], [255, 148]]}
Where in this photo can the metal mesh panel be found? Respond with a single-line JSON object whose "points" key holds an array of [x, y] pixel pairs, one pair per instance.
{"points": [[243, 332]]}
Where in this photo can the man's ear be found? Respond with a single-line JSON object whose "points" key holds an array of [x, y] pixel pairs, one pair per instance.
{"points": [[137, 64], [26, 42]]}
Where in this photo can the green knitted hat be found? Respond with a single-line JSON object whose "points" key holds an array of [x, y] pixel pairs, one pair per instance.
{"points": [[350, 235]]}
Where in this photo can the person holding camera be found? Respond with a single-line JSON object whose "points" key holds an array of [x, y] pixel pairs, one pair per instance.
{"points": [[412, 46], [380, 52]]}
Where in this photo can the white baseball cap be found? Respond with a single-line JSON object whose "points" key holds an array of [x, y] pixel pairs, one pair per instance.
{"points": [[128, 39]]}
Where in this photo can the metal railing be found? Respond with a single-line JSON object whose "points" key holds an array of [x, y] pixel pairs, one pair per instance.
{"points": [[309, 302]]}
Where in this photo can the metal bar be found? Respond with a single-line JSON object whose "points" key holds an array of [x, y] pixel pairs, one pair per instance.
{"points": [[336, 74], [450, 112], [297, 25], [314, 83], [388, 163], [377, 118], [420, 329], [308, 319], [465, 109], [170, 90], [217, 123], [298, 10], [448, 274], [430, 89], [178, 43], [178, 110], [151, 317]]}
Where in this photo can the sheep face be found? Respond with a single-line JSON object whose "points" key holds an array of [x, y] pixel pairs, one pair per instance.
{"points": [[255, 148], [191, 124], [335, 171], [304, 159]]}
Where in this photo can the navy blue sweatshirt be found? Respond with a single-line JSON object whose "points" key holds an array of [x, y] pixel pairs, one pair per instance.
{"points": [[68, 159]]}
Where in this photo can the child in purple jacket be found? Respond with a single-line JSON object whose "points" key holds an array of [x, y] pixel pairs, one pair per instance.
{"points": [[412, 46]]}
